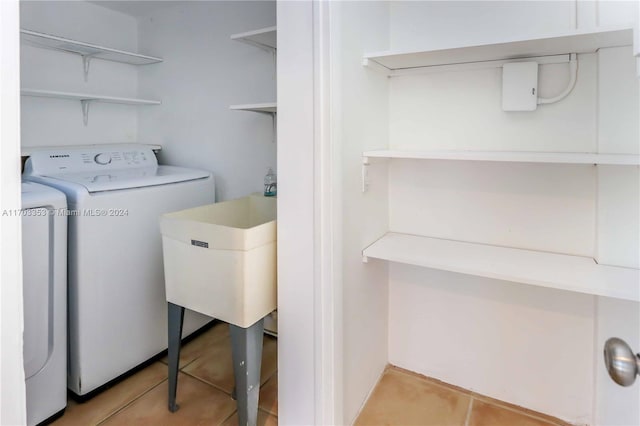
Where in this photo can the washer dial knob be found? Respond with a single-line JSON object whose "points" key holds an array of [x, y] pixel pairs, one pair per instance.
{"points": [[102, 159]]}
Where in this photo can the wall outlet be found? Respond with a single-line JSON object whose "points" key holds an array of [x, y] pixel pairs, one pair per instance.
{"points": [[520, 86]]}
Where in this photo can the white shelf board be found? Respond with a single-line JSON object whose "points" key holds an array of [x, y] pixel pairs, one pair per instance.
{"points": [[85, 49], [513, 156], [26, 151], [268, 107], [584, 41], [552, 270], [265, 38], [87, 97]]}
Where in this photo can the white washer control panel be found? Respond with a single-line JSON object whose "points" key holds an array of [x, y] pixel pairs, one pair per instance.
{"points": [[99, 158]]}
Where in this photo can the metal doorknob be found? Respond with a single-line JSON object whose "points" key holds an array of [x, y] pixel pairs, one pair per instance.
{"points": [[622, 364]]}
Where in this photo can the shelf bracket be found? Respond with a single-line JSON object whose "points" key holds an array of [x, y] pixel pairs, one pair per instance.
{"points": [[85, 110], [86, 61], [274, 130], [257, 44], [365, 174], [274, 124], [371, 64]]}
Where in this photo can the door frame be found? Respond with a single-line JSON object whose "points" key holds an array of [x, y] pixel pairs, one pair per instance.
{"points": [[12, 387], [309, 341]]}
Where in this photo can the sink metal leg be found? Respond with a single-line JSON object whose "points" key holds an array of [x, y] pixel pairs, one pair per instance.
{"points": [[246, 345], [176, 319]]}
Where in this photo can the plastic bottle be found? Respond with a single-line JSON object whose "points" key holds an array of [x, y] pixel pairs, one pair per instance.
{"points": [[270, 185]]}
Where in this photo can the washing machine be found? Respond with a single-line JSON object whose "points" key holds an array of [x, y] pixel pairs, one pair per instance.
{"points": [[44, 263], [117, 305]]}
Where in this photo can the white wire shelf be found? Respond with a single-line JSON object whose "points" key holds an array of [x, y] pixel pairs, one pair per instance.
{"points": [[86, 99], [85, 49]]}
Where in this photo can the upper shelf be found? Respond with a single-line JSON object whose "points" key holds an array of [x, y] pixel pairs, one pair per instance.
{"points": [[506, 156], [267, 107], [86, 49], [572, 273], [265, 38], [581, 41]]}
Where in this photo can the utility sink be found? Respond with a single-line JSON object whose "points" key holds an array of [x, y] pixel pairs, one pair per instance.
{"points": [[220, 259]]}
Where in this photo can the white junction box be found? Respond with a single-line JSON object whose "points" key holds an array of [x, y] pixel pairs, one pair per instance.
{"points": [[520, 86]]}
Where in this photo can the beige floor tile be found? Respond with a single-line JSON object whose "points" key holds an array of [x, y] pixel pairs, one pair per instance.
{"points": [[215, 366], [431, 380], [485, 414], [202, 343], [108, 402], [269, 396], [264, 419], [402, 399], [525, 411], [200, 404]]}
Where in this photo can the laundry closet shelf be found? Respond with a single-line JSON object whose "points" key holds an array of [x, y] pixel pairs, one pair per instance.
{"points": [[267, 108], [552, 270], [510, 156], [265, 38], [85, 49], [582, 41], [87, 97]]}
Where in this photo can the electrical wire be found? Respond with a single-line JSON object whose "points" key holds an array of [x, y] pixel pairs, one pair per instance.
{"points": [[573, 69]]}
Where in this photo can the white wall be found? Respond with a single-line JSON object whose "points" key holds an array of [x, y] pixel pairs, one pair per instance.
{"points": [[47, 121], [361, 120], [204, 72], [425, 25], [12, 386], [528, 346]]}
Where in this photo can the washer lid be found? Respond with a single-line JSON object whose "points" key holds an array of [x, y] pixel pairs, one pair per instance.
{"points": [[111, 180]]}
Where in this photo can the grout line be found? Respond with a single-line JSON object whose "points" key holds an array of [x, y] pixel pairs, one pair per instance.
{"points": [[466, 421], [228, 417], [275, 374], [188, 363], [488, 400], [207, 383], [531, 415], [128, 404], [267, 412]]}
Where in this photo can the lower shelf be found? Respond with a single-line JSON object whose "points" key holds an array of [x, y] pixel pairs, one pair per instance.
{"points": [[561, 271]]}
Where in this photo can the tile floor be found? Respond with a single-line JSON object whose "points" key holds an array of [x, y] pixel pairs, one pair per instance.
{"points": [[404, 398], [205, 383]]}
